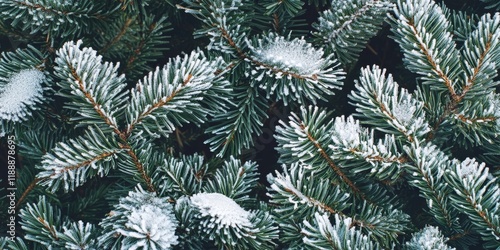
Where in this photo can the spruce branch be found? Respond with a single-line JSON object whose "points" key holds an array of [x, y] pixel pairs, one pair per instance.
{"points": [[477, 194], [72, 163], [347, 25], [310, 149], [96, 92], [232, 131], [423, 23], [185, 175], [492, 4], [288, 79], [427, 174], [481, 58], [296, 194], [41, 222], [118, 37], [140, 220], [306, 139], [55, 18], [321, 234], [386, 106], [173, 95], [23, 85], [293, 70], [234, 180]]}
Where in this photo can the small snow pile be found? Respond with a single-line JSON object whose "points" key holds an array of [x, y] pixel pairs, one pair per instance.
{"points": [[20, 95], [429, 238], [145, 221], [469, 167], [223, 210], [150, 223], [403, 111], [346, 132], [296, 55]]}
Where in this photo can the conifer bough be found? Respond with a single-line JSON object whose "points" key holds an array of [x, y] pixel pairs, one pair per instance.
{"points": [[119, 147]]}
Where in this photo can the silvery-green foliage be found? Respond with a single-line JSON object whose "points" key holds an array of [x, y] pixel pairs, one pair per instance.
{"points": [[140, 221], [292, 70], [347, 25], [429, 238]]}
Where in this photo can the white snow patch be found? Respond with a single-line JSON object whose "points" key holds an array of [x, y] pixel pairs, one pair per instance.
{"points": [[403, 111], [296, 55], [468, 167], [24, 89], [150, 223], [224, 210], [346, 131]]}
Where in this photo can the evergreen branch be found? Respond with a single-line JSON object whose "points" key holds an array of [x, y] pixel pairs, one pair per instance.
{"points": [[428, 238], [159, 104], [423, 25], [138, 49], [234, 180], [40, 222], [309, 149], [427, 175], [336, 26], [97, 92], [331, 163], [492, 4], [321, 234], [140, 168], [479, 56], [462, 23], [185, 175], [176, 94], [290, 7], [388, 107], [476, 120], [244, 56], [383, 224], [472, 120], [233, 129], [118, 36], [42, 8], [30, 188], [432, 61], [293, 69], [380, 160], [297, 194], [74, 161], [55, 18], [477, 195]]}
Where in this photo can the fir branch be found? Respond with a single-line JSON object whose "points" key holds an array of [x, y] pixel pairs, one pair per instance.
{"points": [[232, 130], [100, 96], [26, 192], [244, 56], [477, 195], [479, 56], [331, 163], [138, 49], [140, 168], [387, 107], [118, 36], [347, 26], [177, 93], [427, 174], [310, 149], [321, 234], [423, 23], [74, 161], [296, 194]]}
